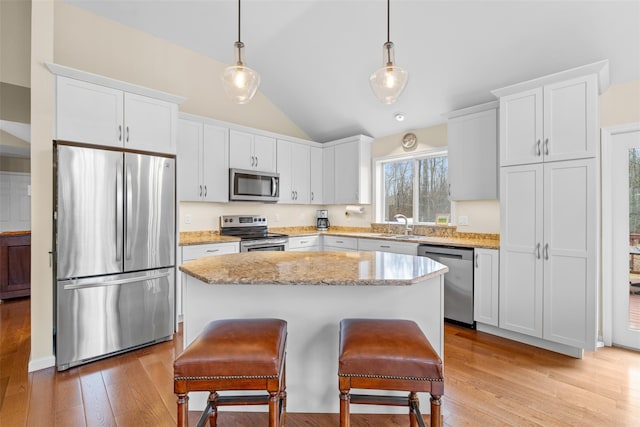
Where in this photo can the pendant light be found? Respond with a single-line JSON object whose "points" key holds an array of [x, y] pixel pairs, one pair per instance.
{"points": [[389, 81], [240, 81]]}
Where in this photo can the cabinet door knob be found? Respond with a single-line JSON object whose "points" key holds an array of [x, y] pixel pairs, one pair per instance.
{"points": [[312, 196], [205, 191], [538, 148], [476, 260], [256, 161], [546, 147], [119, 132], [538, 250], [546, 251], [127, 133], [201, 191]]}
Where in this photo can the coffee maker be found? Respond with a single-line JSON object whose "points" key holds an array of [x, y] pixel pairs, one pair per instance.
{"points": [[322, 220]]}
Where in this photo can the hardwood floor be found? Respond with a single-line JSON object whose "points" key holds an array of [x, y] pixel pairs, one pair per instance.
{"points": [[490, 381]]}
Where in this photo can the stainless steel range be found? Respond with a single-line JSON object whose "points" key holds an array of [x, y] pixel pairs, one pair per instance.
{"points": [[253, 233]]}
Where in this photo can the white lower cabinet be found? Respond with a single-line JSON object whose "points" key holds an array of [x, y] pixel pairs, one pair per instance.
{"points": [[388, 246], [191, 252], [305, 243], [548, 251], [486, 285], [338, 243]]}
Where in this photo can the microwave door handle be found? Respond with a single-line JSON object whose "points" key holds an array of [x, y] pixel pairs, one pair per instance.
{"points": [[274, 186]]}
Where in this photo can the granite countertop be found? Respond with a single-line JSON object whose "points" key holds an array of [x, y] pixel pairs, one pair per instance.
{"points": [[188, 238], [314, 268], [464, 240]]}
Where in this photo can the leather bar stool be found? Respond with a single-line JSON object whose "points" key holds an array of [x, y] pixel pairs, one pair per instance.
{"points": [[234, 354], [388, 354]]}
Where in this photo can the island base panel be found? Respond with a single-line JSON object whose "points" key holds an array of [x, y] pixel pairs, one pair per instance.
{"points": [[313, 313]]}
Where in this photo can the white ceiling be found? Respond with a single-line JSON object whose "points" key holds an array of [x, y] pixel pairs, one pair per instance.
{"points": [[315, 56]]}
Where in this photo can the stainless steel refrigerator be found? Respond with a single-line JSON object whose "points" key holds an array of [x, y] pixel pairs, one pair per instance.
{"points": [[114, 234]]}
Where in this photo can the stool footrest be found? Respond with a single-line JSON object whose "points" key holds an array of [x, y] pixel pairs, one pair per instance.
{"points": [[262, 399], [372, 399]]}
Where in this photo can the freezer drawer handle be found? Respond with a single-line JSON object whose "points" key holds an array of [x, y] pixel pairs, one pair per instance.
{"points": [[115, 282]]}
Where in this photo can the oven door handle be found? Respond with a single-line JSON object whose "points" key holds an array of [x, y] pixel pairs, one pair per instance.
{"points": [[264, 242]]}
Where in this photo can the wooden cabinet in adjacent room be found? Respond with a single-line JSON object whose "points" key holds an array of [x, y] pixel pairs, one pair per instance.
{"points": [[15, 265]]}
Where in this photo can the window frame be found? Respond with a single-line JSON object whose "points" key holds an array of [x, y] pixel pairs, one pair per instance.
{"points": [[378, 182]]}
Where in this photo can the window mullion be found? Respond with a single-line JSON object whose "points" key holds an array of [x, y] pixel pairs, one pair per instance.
{"points": [[416, 191]]}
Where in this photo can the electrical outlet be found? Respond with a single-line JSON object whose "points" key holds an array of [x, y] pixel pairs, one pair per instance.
{"points": [[187, 219], [463, 220]]}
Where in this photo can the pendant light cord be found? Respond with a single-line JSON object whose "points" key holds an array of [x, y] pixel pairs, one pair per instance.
{"points": [[238, 21], [388, 21]]}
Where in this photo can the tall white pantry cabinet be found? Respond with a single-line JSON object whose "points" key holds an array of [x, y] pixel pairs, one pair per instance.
{"points": [[549, 142]]}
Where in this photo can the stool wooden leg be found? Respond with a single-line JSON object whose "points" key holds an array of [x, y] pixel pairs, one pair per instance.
{"points": [[345, 401], [183, 410], [283, 397], [413, 399], [436, 417], [213, 415], [274, 408]]}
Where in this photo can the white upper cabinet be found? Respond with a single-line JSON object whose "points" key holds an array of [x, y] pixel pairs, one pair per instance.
{"points": [[90, 113], [328, 175], [104, 115], [149, 124], [251, 151], [293, 167], [552, 118], [352, 170], [473, 152], [316, 175], [571, 119], [203, 171]]}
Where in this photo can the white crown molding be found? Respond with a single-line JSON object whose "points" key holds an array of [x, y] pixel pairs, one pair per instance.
{"points": [[61, 70], [601, 68]]}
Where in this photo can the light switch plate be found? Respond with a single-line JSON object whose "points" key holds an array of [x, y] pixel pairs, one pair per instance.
{"points": [[187, 219], [463, 220]]}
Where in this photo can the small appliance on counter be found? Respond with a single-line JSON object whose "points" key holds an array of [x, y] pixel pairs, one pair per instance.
{"points": [[322, 220]]}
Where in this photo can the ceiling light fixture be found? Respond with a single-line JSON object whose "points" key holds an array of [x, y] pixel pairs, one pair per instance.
{"points": [[389, 81], [240, 81]]}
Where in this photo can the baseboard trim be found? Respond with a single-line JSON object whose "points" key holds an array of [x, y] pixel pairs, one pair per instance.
{"points": [[536, 342], [42, 363]]}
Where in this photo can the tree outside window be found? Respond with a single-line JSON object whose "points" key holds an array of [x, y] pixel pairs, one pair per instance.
{"points": [[429, 175]]}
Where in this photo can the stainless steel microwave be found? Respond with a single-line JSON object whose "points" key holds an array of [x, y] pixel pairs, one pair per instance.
{"points": [[255, 186]]}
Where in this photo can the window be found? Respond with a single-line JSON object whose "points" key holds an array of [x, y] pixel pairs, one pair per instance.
{"points": [[417, 187]]}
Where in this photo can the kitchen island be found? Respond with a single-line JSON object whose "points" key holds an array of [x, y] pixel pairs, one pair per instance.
{"points": [[313, 291]]}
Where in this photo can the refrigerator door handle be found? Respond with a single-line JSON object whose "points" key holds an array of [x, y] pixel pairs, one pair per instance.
{"points": [[128, 211], [72, 286], [119, 217]]}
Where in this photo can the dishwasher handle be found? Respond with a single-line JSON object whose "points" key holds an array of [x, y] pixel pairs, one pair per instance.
{"points": [[440, 254]]}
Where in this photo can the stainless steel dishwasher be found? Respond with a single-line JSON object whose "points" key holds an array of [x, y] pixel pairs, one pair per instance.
{"points": [[458, 282]]}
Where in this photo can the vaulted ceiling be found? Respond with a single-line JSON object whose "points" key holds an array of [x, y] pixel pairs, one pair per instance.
{"points": [[315, 56]]}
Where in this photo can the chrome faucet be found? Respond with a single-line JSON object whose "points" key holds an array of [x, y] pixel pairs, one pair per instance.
{"points": [[406, 223]]}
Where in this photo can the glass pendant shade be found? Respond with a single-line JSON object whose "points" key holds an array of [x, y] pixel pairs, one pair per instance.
{"points": [[240, 81], [388, 82]]}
